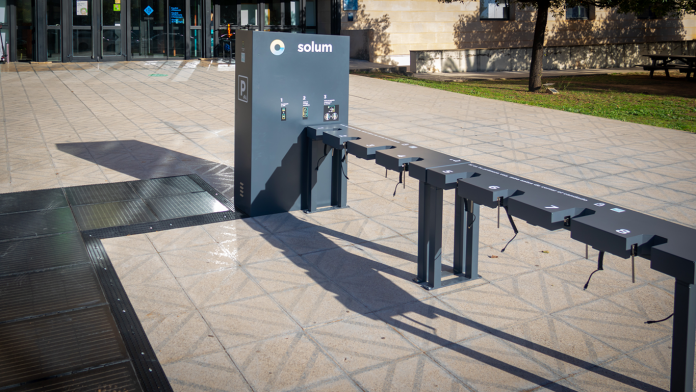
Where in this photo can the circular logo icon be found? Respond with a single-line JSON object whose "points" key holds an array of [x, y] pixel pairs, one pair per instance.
{"points": [[277, 47]]}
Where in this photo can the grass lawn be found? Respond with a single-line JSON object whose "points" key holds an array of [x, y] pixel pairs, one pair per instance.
{"points": [[633, 97]]}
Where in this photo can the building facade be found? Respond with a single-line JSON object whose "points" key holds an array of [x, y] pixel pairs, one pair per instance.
{"points": [[381, 30], [389, 29], [117, 30]]}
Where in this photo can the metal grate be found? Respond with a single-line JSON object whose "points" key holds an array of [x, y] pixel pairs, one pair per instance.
{"points": [[120, 213], [170, 186], [32, 224], [102, 193]]}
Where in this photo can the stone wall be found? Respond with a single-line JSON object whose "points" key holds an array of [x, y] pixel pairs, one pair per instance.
{"points": [[555, 57], [402, 26]]}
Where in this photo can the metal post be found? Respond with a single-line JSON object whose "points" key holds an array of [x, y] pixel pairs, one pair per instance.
{"points": [[339, 166], [472, 240], [433, 235], [466, 231], [318, 176], [682, 378], [422, 274], [460, 232]]}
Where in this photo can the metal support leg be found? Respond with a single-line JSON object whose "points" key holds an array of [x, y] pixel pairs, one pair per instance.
{"points": [[429, 235], [466, 231], [433, 216], [422, 274], [339, 180], [683, 339], [318, 176]]}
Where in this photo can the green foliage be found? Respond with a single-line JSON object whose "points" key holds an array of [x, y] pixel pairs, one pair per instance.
{"points": [[626, 97]]}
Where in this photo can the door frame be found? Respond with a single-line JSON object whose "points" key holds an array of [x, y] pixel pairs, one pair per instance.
{"points": [[69, 29]]}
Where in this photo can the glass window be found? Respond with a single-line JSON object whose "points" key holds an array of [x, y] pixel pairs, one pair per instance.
{"points": [[53, 12], [148, 28], [292, 13], [647, 14], [82, 43], [176, 28], [196, 44], [82, 13], [53, 44], [196, 12], [111, 13], [273, 13], [311, 14], [53, 34], [228, 12], [25, 30], [577, 12], [111, 42], [249, 14], [495, 9]]}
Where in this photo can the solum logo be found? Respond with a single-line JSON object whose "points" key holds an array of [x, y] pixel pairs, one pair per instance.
{"points": [[314, 47], [277, 47]]}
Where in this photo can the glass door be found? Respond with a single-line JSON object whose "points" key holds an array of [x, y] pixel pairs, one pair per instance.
{"points": [[195, 32], [25, 30], [112, 26], [225, 24], [53, 33], [177, 29], [282, 16], [148, 29], [248, 15], [82, 48]]}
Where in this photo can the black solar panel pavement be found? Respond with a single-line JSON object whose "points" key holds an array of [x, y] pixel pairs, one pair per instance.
{"points": [[38, 348], [57, 331], [117, 377], [32, 201], [169, 186], [185, 205], [33, 224], [41, 253], [120, 213], [101, 193]]}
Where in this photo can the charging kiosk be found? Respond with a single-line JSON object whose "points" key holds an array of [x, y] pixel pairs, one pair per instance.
{"points": [[285, 83]]}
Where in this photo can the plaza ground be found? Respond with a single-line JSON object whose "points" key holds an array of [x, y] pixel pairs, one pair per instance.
{"points": [[325, 301]]}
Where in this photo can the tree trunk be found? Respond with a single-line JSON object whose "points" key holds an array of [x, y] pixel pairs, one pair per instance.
{"points": [[538, 45]]}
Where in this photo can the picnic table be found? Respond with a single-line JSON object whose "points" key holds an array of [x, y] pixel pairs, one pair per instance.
{"points": [[666, 62]]}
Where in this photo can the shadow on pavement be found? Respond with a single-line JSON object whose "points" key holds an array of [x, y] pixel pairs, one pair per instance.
{"points": [[141, 160], [145, 161]]}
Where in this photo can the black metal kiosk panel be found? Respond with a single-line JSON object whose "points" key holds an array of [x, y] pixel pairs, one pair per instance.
{"points": [[284, 83]]}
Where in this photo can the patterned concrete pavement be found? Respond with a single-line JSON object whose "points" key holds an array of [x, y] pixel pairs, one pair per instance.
{"points": [[324, 301]]}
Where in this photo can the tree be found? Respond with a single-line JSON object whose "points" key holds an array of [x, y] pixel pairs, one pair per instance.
{"points": [[657, 8]]}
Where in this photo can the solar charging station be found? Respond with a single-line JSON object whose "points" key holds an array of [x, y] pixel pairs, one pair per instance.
{"points": [[284, 83], [293, 138]]}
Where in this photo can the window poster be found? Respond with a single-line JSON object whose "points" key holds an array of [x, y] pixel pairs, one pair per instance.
{"points": [[82, 7], [350, 5]]}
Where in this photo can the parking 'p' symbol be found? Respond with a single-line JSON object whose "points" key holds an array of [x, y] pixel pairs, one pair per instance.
{"points": [[243, 83]]}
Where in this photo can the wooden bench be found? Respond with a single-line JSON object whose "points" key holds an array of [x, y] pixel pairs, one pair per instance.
{"points": [[666, 68], [688, 71]]}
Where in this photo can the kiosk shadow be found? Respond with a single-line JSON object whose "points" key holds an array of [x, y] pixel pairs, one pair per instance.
{"points": [[372, 271], [145, 161]]}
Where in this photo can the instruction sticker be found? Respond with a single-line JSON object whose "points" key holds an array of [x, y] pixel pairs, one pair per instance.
{"points": [[330, 112]]}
